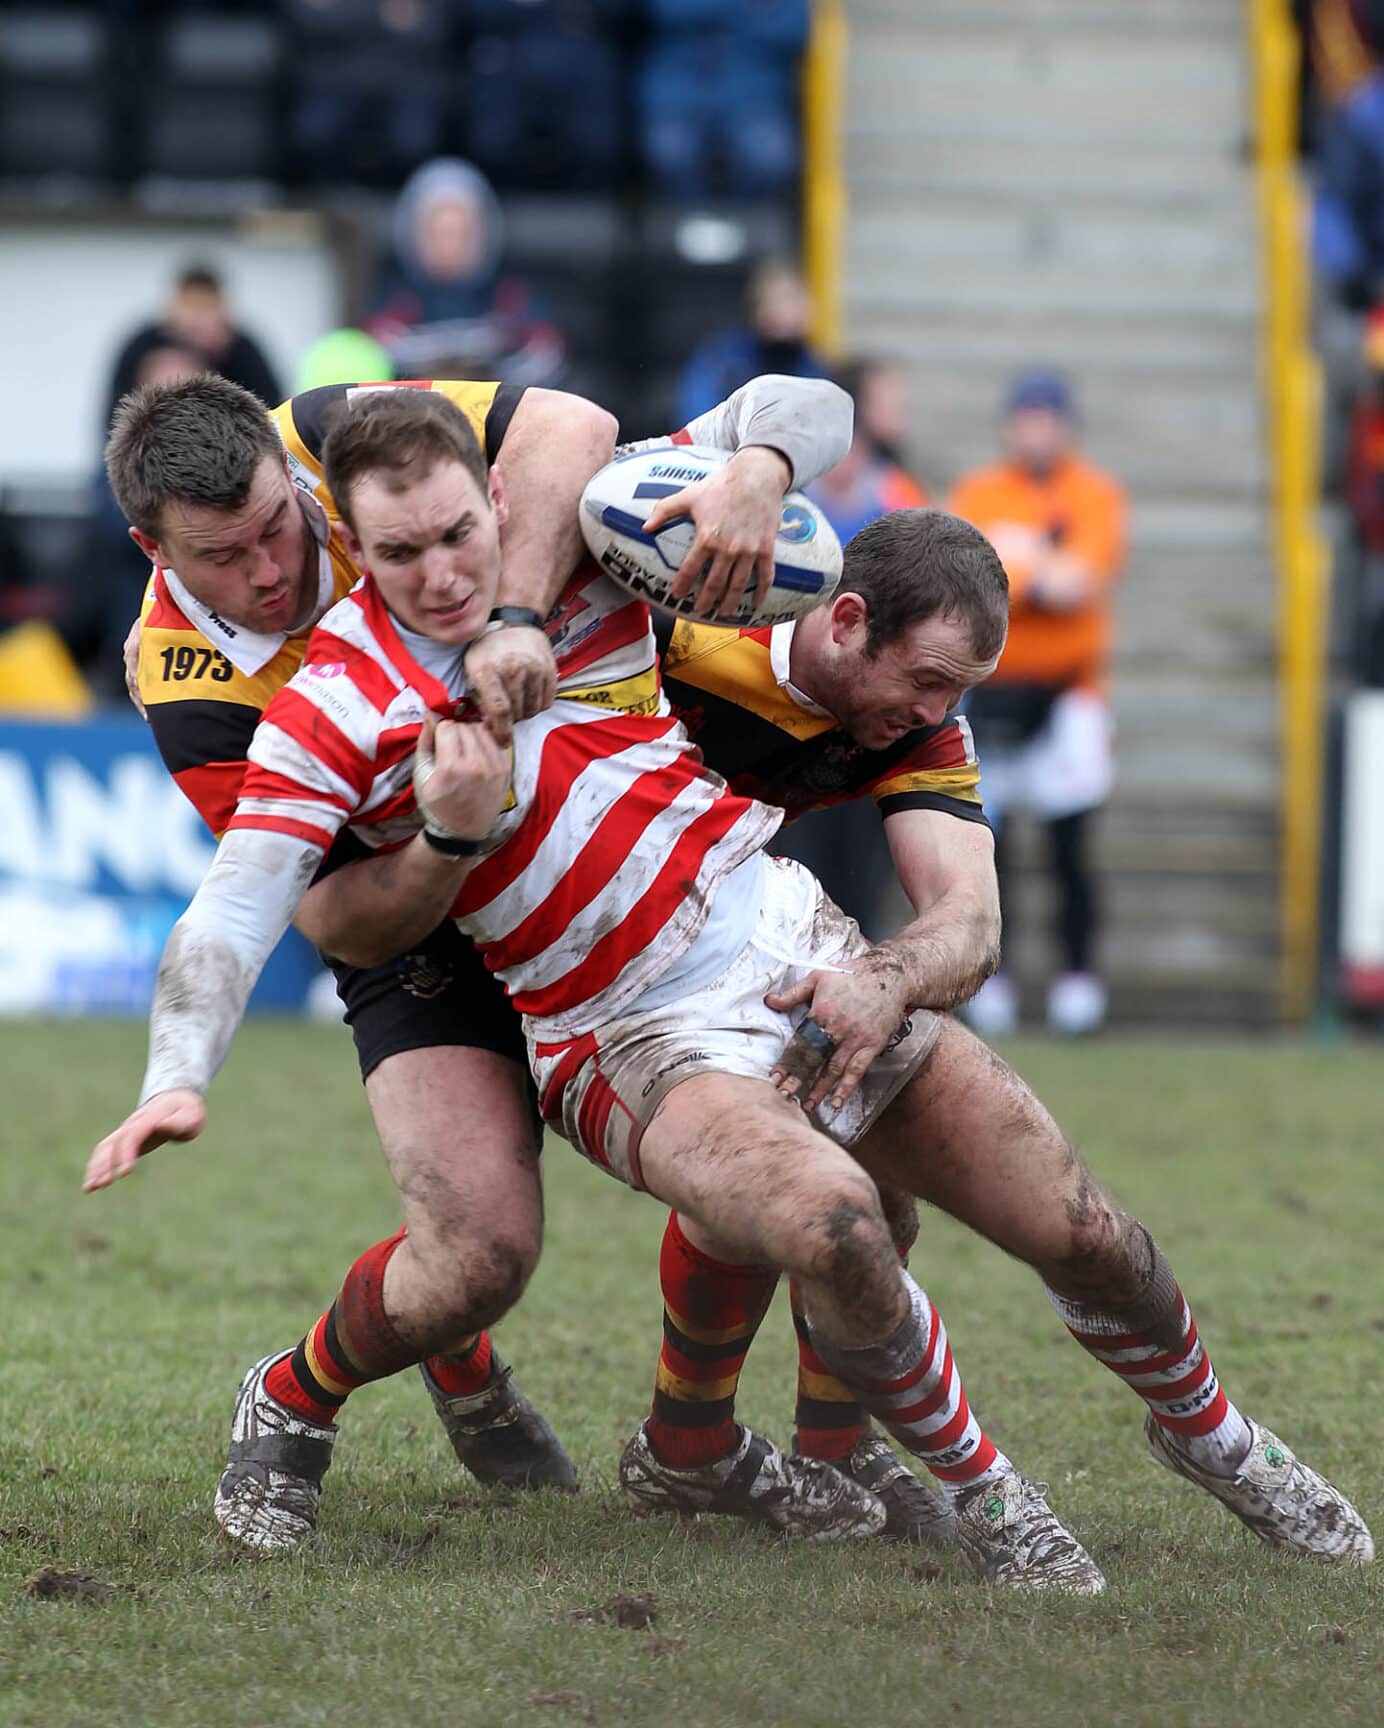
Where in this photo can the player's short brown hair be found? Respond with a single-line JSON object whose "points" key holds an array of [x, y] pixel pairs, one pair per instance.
{"points": [[194, 441], [400, 434], [912, 565]]}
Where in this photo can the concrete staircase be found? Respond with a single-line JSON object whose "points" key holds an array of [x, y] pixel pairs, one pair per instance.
{"points": [[1068, 181]]}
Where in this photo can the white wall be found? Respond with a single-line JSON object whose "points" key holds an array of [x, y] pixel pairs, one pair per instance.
{"points": [[69, 296]]}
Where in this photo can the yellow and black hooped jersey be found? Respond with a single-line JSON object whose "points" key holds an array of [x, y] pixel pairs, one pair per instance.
{"points": [[723, 685], [204, 682]]}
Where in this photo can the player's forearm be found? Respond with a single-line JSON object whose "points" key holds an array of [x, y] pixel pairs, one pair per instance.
{"points": [[215, 954], [554, 444], [950, 949], [807, 420], [366, 913]]}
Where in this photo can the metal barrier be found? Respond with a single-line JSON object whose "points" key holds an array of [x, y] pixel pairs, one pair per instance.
{"points": [[1293, 396]]}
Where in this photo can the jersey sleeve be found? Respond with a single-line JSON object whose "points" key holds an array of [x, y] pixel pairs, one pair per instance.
{"points": [[204, 747], [304, 421], [311, 761], [807, 420], [940, 773], [201, 713]]}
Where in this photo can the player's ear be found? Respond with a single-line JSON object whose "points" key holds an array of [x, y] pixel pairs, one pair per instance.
{"points": [[499, 498], [353, 545], [849, 619], [147, 545]]}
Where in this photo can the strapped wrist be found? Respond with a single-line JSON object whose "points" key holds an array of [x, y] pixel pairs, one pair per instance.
{"points": [[450, 845], [507, 618]]}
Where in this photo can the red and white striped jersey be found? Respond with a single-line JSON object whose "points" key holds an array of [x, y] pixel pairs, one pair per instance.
{"points": [[603, 868]]}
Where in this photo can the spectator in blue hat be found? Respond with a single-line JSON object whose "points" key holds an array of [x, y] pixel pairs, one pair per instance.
{"points": [[1042, 723]]}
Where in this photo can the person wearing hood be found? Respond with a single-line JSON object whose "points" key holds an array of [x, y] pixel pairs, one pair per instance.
{"points": [[445, 263]]}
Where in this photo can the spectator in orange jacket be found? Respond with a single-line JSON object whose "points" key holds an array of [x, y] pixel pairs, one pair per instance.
{"points": [[1042, 723]]}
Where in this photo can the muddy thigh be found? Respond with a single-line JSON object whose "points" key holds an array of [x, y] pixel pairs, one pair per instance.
{"points": [[969, 1136]]}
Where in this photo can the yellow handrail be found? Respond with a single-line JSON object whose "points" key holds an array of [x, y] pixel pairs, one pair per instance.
{"points": [[824, 180], [1293, 396]]}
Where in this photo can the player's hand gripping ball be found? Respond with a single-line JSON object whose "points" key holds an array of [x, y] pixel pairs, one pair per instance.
{"points": [[618, 500]]}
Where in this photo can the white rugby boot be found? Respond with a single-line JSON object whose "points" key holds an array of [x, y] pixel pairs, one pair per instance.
{"points": [[798, 1496], [1011, 1536], [915, 1511], [1282, 1500], [268, 1495], [1077, 1003], [993, 1012]]}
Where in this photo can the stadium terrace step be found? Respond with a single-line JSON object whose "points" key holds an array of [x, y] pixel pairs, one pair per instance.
{"points": [[958, 162], [1067, 181], [1130, 348], [1201, 18]]}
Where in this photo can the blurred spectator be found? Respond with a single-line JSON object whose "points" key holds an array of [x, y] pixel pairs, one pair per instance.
{"points": [[519, 121], [1042, 722], [716, 96], [370, 86], [883, 417], [441, 297], [197, 320], [1365, 497], [773, 340], [116, 572], [865, 483], [1348, 222], [844, 846], [345, 356]]}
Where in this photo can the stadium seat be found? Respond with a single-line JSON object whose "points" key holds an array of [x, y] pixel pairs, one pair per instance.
{"points": [[214, 114], [56, 112], [485, 17], [544, 109]]}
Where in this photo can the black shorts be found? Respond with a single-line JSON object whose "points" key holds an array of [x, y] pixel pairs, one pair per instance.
{"points": [[439, 994]]}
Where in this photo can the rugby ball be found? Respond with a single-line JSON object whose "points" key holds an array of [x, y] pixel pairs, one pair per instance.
{"points": [[617, 502]]}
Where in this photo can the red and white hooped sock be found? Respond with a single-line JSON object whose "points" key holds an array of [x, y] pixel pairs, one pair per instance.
{"points": [[1160, 1356], [911, 1384]]}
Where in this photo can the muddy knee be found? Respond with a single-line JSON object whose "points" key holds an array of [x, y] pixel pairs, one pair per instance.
{"points": [[1109, 1257], [851, 1256]]}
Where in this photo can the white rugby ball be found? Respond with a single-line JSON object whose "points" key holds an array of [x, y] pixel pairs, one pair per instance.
{"points": [[617, 501]]}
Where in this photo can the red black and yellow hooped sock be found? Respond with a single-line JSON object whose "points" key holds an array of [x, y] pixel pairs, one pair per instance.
{"points": [[353, 1343], [829, 1419], [711, 1312], [463, 1370]]}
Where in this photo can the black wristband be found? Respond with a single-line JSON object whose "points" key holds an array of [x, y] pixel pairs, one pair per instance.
{"points": [[500, 616], [452, 845]]}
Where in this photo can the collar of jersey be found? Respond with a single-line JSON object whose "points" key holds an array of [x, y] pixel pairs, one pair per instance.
{"points": [[250, 651], [444, 660], [780, 655]]}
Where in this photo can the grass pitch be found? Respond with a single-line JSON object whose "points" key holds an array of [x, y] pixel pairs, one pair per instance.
{"points": [[128, 1318]]}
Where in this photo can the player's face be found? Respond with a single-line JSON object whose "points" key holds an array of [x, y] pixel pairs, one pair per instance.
{"points": [[256, 566], [1038, 439], [433, 547], [914, 681]]}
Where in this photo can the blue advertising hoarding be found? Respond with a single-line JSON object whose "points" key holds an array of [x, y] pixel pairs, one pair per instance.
{"points": [[99, 853]]}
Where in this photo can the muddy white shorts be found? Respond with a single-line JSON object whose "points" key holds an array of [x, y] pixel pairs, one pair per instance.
{"points": [[600, 1090]]}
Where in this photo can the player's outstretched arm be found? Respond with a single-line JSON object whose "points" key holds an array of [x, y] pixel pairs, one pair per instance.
{"points": [[941, 958], [785, 432], [214, 954], [554, 444]]}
